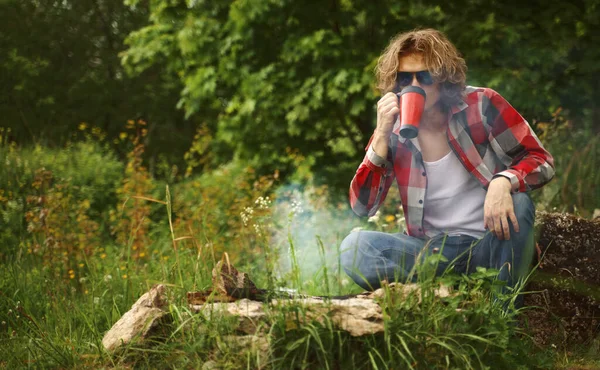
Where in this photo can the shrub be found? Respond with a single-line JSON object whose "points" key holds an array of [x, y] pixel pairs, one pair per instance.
{"points": [[77, 182]]}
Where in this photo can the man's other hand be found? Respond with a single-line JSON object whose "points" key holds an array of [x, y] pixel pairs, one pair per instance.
{"points": [[499, 209]]}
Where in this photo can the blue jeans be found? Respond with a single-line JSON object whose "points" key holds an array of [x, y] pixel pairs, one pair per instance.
{"points": [[369, 257]]}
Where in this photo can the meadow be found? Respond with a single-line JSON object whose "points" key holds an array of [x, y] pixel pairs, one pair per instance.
{"points": [[85, 233]]}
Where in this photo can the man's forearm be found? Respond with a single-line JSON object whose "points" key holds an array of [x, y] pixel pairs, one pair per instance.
{"points": [[380, 144]]}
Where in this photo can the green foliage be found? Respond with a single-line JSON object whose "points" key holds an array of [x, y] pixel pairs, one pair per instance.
{"points": [[272, 76], [61, 67], [576, 151], [55, 194], [210, 207]]}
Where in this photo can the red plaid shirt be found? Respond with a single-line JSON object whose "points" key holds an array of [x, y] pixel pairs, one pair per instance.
{"points": [[486, 133]]}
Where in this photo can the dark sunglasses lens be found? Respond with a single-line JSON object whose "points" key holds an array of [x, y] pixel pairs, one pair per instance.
{"points": [[424, 77], [403, 78]]}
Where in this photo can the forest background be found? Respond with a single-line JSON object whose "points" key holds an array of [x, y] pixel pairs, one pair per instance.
{"points": [[137, 136]]}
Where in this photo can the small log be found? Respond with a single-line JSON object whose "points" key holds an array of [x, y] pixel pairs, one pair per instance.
{"points": [[358, 315], [146, 315]]}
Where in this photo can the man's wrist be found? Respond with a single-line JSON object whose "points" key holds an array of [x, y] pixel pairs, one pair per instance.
{"points": [[501, 181], [381, 135]]}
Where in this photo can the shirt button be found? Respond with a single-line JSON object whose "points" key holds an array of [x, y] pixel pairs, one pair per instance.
{"points": [[420, 201], [420, 229], [424, 174]]}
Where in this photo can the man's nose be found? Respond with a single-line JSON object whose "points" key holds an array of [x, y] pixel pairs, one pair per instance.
{"points": [[414, 81]]}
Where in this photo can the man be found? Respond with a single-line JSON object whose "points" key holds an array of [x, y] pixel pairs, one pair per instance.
{"points": [[463, 180]]}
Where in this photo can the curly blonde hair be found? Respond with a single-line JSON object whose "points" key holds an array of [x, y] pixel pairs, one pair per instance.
{"points": [[440, 56]]}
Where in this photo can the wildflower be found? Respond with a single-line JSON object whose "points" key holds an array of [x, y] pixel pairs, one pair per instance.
{"points": [[103, 255], [82, 126], [247, 215], [96, 300], [81, 265], [297, 207], [375, 217], [107, 278], [82, 280], [142, 254], [124, 276], [263, 203], [389, 218]]}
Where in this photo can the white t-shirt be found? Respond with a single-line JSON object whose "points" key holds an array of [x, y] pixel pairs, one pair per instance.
{"points": [[453, 199]]}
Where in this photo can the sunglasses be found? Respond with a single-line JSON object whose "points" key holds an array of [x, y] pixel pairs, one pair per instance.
{"points": [[404, 79]]}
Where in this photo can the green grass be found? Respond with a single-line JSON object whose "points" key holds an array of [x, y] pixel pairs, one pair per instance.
{"points": [[54, 313], [56, 323]]}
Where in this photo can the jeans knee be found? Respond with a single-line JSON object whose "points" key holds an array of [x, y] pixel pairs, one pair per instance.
{"points": [[349, 251], [524, 208]]}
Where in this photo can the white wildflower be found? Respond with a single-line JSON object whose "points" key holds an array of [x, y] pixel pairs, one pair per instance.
{"points": [[263, 202], [107, 278], [375, 218], [247, 215], [297, 207]]}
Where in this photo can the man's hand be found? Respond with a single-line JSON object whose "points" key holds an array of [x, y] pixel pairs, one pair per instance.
{"points": [[388, 108], [499, 208]]}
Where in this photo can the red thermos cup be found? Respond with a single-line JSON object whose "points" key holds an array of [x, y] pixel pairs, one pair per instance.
{"points": [[412, 103]]}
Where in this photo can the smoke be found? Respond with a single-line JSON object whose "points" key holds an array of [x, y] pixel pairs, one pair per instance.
{"points": [[308, 231]]}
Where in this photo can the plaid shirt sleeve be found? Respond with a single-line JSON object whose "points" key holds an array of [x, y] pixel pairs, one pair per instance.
{"points": [[371, 182], [530, 166]]}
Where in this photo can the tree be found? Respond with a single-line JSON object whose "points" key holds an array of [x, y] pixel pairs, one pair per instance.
{"points": [[272, 77], [61, 67]]}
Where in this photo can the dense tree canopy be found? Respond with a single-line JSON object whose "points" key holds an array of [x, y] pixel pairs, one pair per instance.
{"points": [[61, 66], [270, 80]]}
